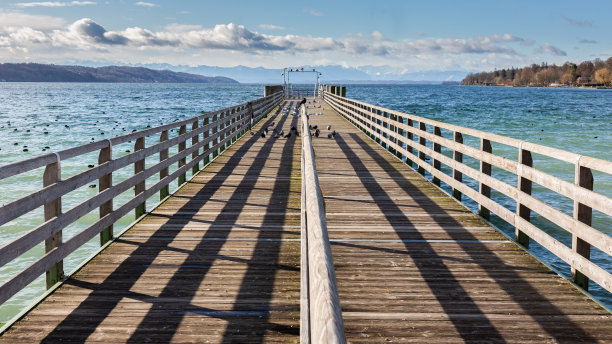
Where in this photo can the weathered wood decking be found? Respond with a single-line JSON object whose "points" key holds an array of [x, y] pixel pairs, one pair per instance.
{"points": [[219, 261]]}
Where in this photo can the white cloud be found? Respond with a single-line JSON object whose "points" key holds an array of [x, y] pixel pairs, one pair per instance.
{"points": [[233, 44], [271, 27], [54, 4], [578, 23], [550, 49], [38, 22], [313, 12], [145, 4]]}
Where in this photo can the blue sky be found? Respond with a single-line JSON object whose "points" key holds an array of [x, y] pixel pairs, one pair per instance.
{"points": [[387, 36]]}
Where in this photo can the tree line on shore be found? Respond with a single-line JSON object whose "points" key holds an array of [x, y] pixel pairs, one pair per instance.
{"points": [[588, 73]]}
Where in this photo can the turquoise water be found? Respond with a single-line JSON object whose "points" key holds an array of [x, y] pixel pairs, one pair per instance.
{"points": [[73, 114]]}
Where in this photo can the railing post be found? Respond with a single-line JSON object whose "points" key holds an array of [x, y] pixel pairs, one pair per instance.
{"points": [[222, 125], [410, 137], [104, 183], [194, 141], [423, 142], [163, 155], [215, 118], [205, 139], [458, 157], [52, 209], [485, 168], [400, 133], [250, 114], [438, 149], [139, 188], [584, 178], [234, 129], [524, 185], [181, 147]]}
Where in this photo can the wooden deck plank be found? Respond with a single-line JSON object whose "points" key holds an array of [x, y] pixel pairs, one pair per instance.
{"points": [[413, 265]]}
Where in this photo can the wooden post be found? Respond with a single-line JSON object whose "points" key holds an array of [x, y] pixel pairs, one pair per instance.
{"points": [[233, 131], [181, 147], [206, 136], [400, 133], [524, 185], [438, 149], [583, 177], [214, 131], [52, 209], [163, 155], [104, 183], [250, 113], [194, 155], [458, 157], [485, 168], [139, 166], [410, 138], [221, 129], [423, 142]]}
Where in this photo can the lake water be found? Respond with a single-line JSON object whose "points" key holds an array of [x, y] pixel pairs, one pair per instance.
{"points": [[73, 114]]}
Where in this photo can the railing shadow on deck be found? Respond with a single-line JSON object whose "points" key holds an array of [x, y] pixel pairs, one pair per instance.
{"points": [[183, 282], [561, 329]]}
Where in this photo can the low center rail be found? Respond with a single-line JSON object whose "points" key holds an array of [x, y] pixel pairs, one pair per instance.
{"points": [[210, 134], [321, 315]]}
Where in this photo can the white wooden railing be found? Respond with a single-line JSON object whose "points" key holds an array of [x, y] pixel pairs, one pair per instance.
{"points": [[408, 135], [210, 134]]}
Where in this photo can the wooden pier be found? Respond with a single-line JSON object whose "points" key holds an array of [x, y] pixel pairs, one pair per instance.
{"points": [[220, 259]]}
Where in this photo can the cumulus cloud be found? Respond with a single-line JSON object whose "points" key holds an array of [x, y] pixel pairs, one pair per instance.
{"points": [[271, 27], [54, 4], [184, 41], [550, 49], [584, 23]]}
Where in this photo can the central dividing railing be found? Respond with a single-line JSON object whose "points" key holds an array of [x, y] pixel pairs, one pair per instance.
{"points": [[210, 134], [320, 312], [409, 136]]}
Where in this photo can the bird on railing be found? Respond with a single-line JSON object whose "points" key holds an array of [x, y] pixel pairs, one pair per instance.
{"points": [[263, 135], [317, 132], [334, 133], [329, 136], [328, 127], [288, 135], [282, 133]]}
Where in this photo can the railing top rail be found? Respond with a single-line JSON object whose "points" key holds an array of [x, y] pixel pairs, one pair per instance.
{"points": [[559, 154], [326, 325]]}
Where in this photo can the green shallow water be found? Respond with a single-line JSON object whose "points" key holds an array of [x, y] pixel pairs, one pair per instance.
{"points": [[73, 114]]}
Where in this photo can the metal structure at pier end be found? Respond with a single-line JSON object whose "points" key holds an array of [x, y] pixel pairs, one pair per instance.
{"points": [[291, 91], [310, 223]]}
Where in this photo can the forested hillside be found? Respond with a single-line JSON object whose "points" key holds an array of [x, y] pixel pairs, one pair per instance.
{"points": [[588, 73]]}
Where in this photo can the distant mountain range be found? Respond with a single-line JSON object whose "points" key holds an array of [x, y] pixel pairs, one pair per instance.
{"points": [[331, 74], [34, 72]]}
